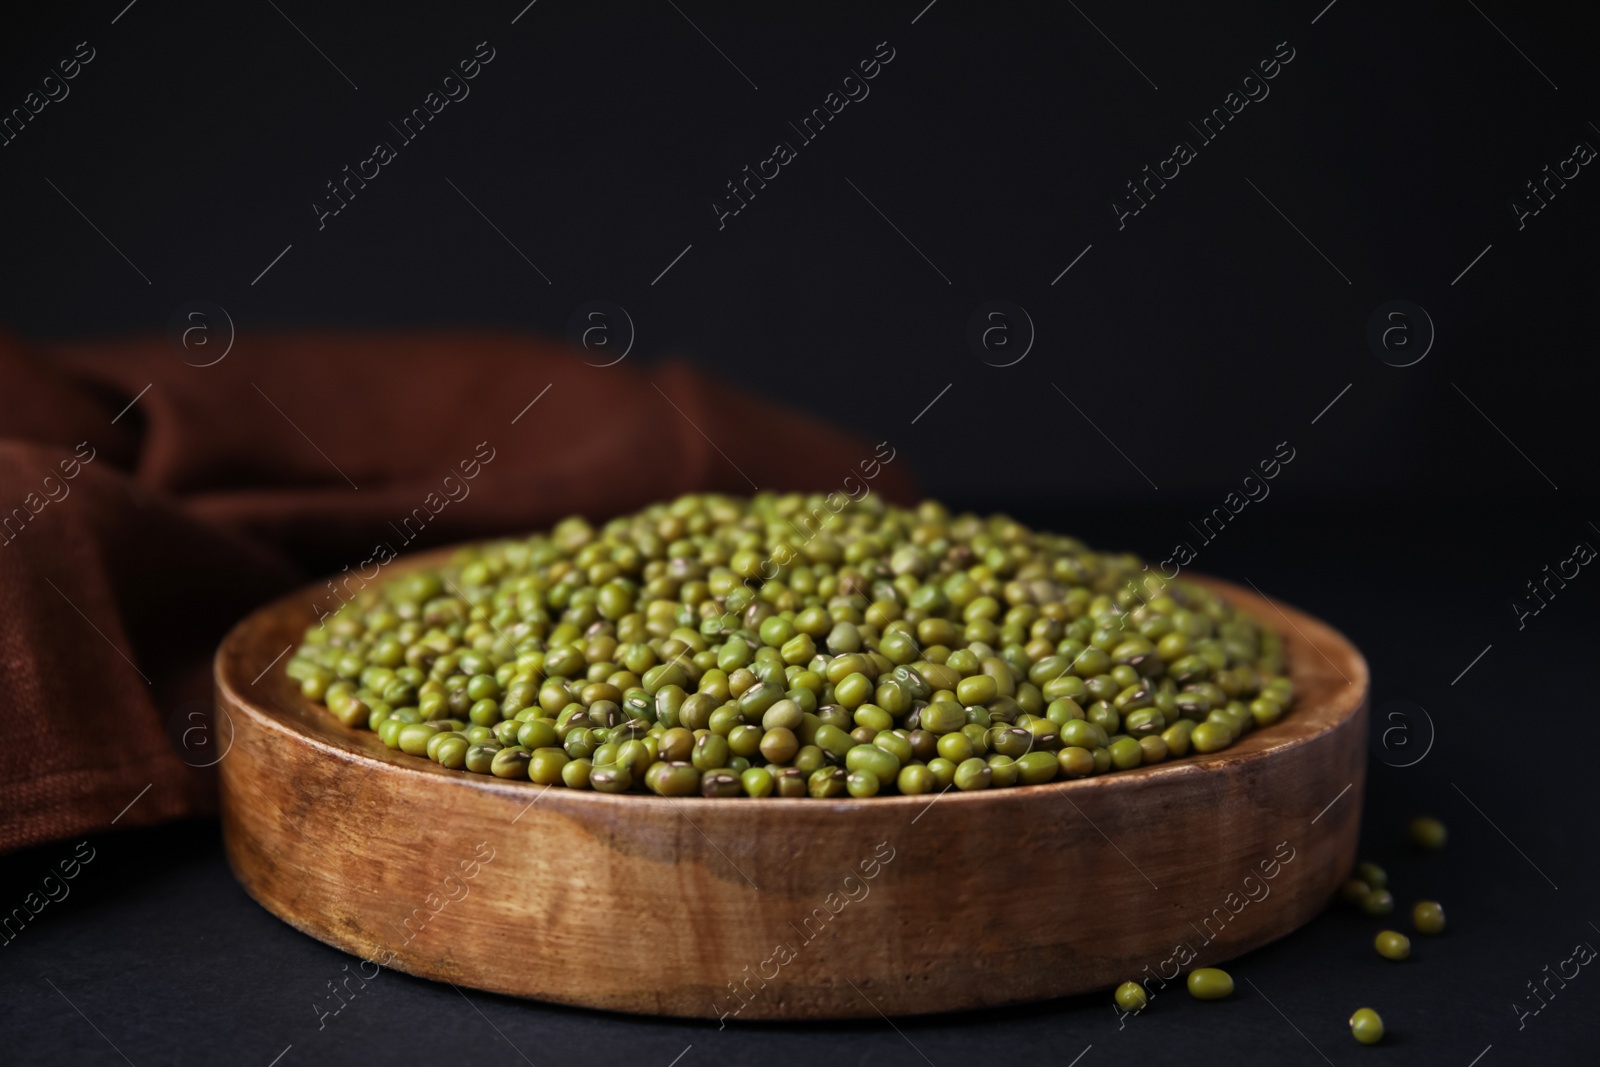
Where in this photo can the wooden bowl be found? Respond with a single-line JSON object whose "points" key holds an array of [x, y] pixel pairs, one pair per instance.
{"points": [[789, 909]]}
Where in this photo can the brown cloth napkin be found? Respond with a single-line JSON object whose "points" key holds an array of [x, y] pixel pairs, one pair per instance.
{"points": [[135, 532]]}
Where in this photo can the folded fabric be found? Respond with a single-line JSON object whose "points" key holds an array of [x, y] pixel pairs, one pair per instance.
{"points": [[146, 504]]}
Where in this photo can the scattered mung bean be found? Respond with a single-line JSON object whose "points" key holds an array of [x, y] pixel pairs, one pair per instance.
{"points": [[1392, 945], [1428, 917], [1366, 1026], [1130, 996], [1209, 983], [1428, 832]]}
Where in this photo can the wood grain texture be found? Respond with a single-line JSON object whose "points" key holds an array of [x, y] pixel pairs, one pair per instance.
{"points": [[789, 909]]}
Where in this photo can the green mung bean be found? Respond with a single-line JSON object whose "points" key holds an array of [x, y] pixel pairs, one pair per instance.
{"points": [[1366, 1026], [1209, 983], [1377, 902], [1428, 917], [1130, 996], [1392, 945], [1428, 832]]}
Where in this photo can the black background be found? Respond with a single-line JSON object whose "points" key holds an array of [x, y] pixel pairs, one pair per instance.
{"points": [[1190, 343]]}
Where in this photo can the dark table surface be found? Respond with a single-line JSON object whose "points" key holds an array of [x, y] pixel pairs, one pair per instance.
{"points": [[159, 956]]}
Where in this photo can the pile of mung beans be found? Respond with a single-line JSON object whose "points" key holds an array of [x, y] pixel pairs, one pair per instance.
{"points": [[792, 646]]}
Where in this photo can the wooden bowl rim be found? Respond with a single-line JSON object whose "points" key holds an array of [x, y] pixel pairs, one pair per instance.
{"points": [[1300, 725]]}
